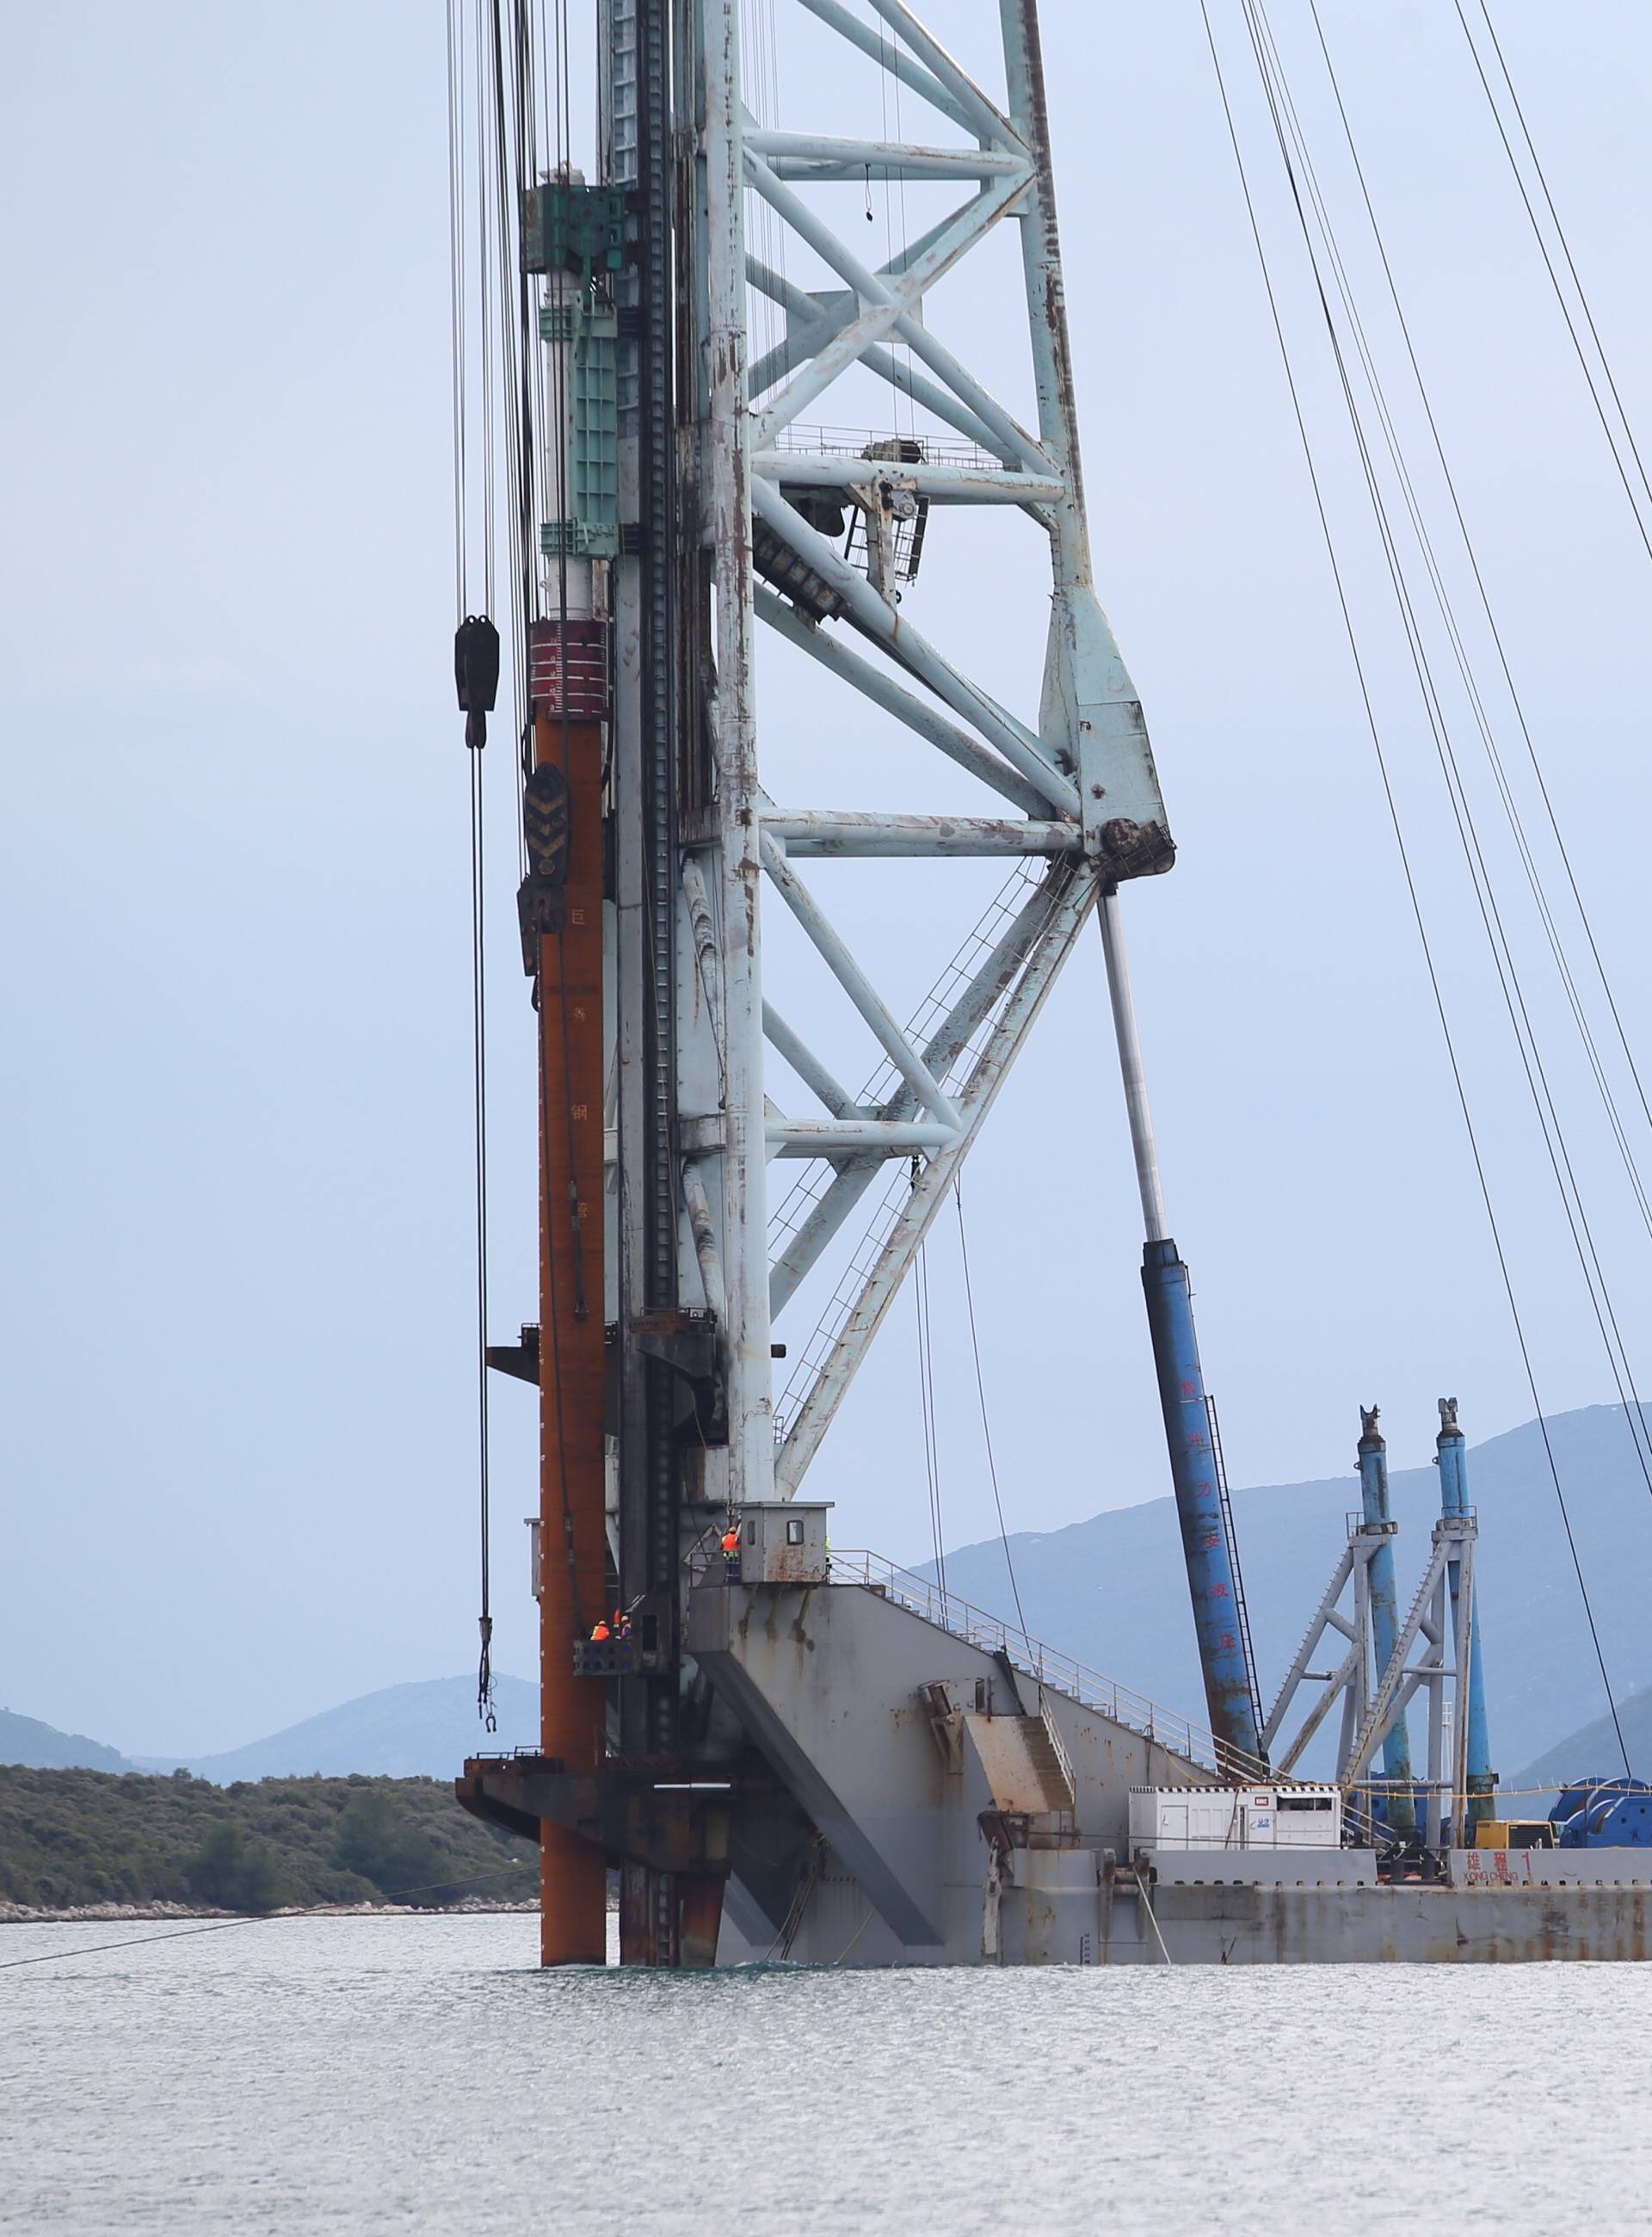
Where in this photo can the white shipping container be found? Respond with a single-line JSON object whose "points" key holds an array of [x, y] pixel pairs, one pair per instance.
{"points": [[1227, 1817]]}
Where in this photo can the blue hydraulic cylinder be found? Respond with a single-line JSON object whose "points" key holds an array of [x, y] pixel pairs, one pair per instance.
{"points": [[1384, 1616], [1229, 1690], [1452, 1450]]}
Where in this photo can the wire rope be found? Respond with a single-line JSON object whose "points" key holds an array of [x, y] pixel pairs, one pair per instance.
{"points": [[1554, 277], [459, 304], [1283, 115], [927, 1408], [1468, 839], [981, 1394], [1410, 884], [1472, 554]]}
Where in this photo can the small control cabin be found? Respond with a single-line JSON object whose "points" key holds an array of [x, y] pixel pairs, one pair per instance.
{"points": [[784, 1542]]}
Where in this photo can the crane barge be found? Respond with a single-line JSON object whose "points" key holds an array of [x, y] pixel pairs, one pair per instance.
{"points": [[780, 1748]]}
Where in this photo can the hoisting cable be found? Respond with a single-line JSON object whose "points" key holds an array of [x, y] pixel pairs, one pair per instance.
{"points": [[1282, 111], [478, 1015], [477, 653], [1405, 865], [561, 511], [513, 153], [1472, 556], [1554, 277]]}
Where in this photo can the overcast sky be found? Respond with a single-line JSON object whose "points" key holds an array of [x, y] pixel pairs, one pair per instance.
{"points": [[238, 1389]]}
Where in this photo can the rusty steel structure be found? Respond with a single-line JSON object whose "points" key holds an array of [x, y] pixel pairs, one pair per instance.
{"points": [[780, 1750]]}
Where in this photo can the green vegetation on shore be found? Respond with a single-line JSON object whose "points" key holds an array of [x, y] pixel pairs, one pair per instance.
{"points": [[84, 1837]]}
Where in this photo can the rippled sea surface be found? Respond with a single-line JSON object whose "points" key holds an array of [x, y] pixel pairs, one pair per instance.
{"points": [[419, 2074]]}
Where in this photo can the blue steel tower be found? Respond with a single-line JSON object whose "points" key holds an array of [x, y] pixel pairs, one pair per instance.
{"points": [[1474, 1748], [1385, 1615]]}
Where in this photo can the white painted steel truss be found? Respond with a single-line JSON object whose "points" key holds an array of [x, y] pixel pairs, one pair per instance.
{"points": [[1070, 795], [1430, 1653]]}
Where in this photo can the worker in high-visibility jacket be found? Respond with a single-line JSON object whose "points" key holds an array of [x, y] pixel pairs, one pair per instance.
{"points": [[731, 1553]]}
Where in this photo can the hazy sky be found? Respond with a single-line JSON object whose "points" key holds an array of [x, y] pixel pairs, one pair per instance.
{"points": [[238, 1403]]}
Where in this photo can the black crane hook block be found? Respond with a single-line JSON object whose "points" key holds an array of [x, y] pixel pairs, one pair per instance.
{"points": [[476, 671]]}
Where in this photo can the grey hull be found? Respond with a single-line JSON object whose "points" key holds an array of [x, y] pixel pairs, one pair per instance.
{"points": [[943, 1830]]}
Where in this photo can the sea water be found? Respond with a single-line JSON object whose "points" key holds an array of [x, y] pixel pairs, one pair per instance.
{"points": [[419, 2074]]}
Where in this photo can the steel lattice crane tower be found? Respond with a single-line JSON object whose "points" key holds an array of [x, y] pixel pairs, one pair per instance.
{"points": [[702, 513]]}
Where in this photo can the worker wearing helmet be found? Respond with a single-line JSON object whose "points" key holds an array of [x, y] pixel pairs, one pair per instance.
{"points": [[731, 1552]]}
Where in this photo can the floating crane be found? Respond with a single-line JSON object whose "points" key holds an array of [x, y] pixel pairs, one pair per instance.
{"points": [[781, 1748]]}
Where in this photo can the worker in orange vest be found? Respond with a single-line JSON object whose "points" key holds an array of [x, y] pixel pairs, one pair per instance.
{"points": [[731, 1552], [599, 1629]]}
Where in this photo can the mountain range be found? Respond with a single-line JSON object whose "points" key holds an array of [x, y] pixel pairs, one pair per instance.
{"points": [[421, 1731], [1112, 1592]]}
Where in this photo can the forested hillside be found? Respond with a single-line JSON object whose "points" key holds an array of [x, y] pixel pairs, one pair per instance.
{"points": [[85, 1836]]}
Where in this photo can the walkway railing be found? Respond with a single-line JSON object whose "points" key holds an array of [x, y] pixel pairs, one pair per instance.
{"points": [[924, 1597]]}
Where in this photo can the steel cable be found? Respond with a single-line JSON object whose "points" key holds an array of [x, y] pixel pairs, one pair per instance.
{"points": [[1554, 277], [1282, 113], [1468, 839], [980, 1393], [926, 1407], [1496, 638], [1410, 885], [457, 171]]}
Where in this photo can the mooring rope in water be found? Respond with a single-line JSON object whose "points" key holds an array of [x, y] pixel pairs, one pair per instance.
{"points": [[256, 1919]]}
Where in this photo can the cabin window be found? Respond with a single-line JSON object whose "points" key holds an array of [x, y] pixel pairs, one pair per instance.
{"points": [[795, 1530]]}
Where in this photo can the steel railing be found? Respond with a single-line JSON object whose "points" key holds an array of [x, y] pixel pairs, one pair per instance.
{"points": [[1045, 1665]]}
